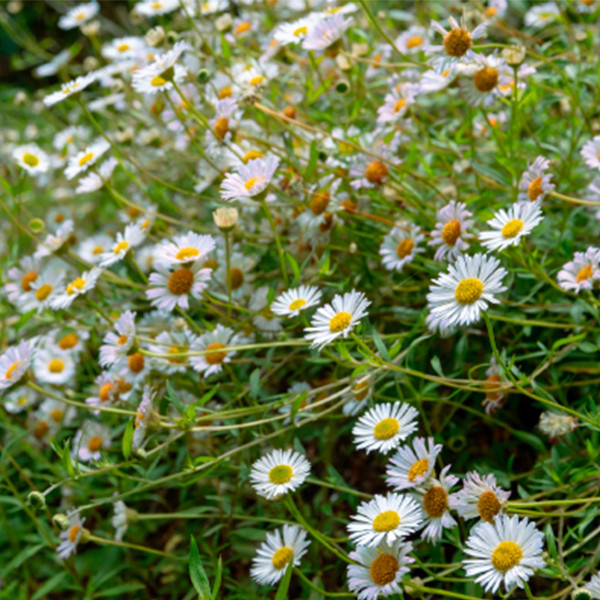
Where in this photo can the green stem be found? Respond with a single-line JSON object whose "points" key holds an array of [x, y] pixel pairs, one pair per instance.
{"points": [[277, 240]]}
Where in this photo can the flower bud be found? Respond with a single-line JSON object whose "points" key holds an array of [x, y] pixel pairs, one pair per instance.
{"points": [[342, 87], [224, 22], [61, 521], [203, 75], [581, 594], [155, 36], [225, 218], [20, 98], [90, 29], [36, 500], [514, 56], [90, 63]]}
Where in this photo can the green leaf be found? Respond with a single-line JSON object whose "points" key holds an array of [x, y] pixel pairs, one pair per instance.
{"points": [[255, 383], [53, 582], [312, 161], [437, 366], [293, 265], [296, 404], [218, 575], [225, 48], [381, 348], [197, 574], [66, 458], [127, 439], [282, 590], [173, 399]]}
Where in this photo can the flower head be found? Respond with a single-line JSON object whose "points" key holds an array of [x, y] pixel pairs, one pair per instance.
{"points": [[509, 227], [278, 473]]}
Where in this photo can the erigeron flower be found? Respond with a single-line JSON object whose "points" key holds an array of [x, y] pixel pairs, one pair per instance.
{"points": [[413, 40], [72, 343], [154, 8], [540, 15], [159, 75], [89, 441], [31, 158], [282, 546], [174, 288], [52, 366], [412, 466], [436, 501], [172, 342], [294, 32], [506, 551], [41, 428], [108, 389], [279, 472], [591, 153], [493, 388], [250, 180], [133, 236], [384, 519], [95, 180], [323, 203], [359, 394], [55, 241], [432, 81], [57, 412], [18, 279], [459, 296], [555, 424], [78, 287], [291, 302], [19, 399], [185, 248], [509, 227], [116, 345], [71, 537], [535, 182], [379, 571], [124, 48], [452, 223], [134, 368], [400, 247], [384, 426], [481, 497], [78, 15], [594, 586], [83, 160], [223, 124], [336, 319], [457, 45], [397, 102], [44, 289], [220, 337], [252, 76], [14, 363], [93, 247], [480, 87], [142, 417], [582, 272], [70, 88], [326, 32]]}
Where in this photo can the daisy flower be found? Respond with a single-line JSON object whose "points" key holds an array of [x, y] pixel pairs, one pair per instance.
{"points": [[71, 537], [397, 102], [594, 586], [535, 182], [540, 15], [53, 66], [185, 248], [436, 502], [44, 289], [133, 236], [282, 546], [453, 220], [81, 161], [509, 227], [159, 75], [480, 87], [142, 417], [174, 288], [58, 412], [495, 9], [358, 395], [154, 8], [412, 467], [75, 86], [481, 496], [224, 122], [506, 551], [89, 441], [384, 426], [172, 342], [457, 46], [54, 241], [379, 571], [78, 15], [336, 319], [220, 337], [555, 424], [109, 389], [413, 40], [293, 33], [432, 81], [326, 32], [118, 344], [291, 302], [52, 366], [14, 363], [134, 368], [250, 180], [94, 181], [384, 520], [31, 158], [124, 48], [459, 296], [582, 272], [591, 153], [493, 389], [20, 277], [78, 287], [93, 247], [19, 399], [264, 320], [278, 473], [400, 247]]}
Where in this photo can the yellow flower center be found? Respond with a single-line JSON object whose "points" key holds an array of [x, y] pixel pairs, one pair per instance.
{"points": [[451, 232], [157, 81], [360, 390], [418, 469], [296, 304], [22, 400], [386, 429], [252, 182], [157, 5], [123, 47], [226, 92], [12, 369], [80, 16], [41, 429], [535, 189], [86, 158], [121, 246], [457, 42], [512, 228], [339, 322], [301, 31], [43, 292], [57, 415], [468, 291], [486, 79], [491, 11], [585, 273], [251, 155], [31, 159], [386, 521], [257, 80], [282, 557], [399, 105], [435, 501], [187, 253], [136, 362], [488, 506], [237, 278], [122, 340], [215, 358], [320, 202], [221, 128], [68, 341], [180, 282], [98, 250], [404, 248], [76, 284], [176, 350], [376, 172], [243, 27], [27, 280], [56, 366], [73, 532], [383, 569], [95, 443], [506, 556], [105, 392], [414, 41], [280, 474]]}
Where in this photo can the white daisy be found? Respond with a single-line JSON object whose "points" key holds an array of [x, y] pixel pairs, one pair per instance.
{"points": [[19, 399], [14, 363], [90, 439], [282, 546], [142, 417], [124, 48], [554, 424], [412, 467], [452, 223], [384, 426], [44, 289], [133, 236], [413, 40], [384, 519], [459, 296], [291, 302], [358, 395], [294, 32], [159, 75], [93, 247], [70, 88], [540, 15], [109, 389], [55, 240], [71, 536], [582, 272], [134, 368], [397, 102], [591, 153], [19, 278], [78, 15], [278, 473], [326, 32], [53, 366], [250, 180], [153, 8], [185, 248], [594, 586], [72, 343], [379, 571], [94, 181], [81, 161], [535, 182], [174, 288], [432, 81], [506, 551], [336, 319], [118, 344], [31, 158], [400, 247], [172, 342], [58, 412], [78, 287], [481, 496], [220, 337], [480, 88], [509, 227], [493, 390]]}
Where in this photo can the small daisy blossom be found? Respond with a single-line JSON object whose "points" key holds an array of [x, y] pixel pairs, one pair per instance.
{"points": [[509, 227], [594, 586], [385, 519], [535, 182], [94, 181], [540, 15], [14, 363], [133, 236], [86, 158], [453, 220], [412, 466], [78, 15], [154, 8], [336, 319], [400, 247], [281, 547], [358, 395], [326, 32], [250, 180], [79, 286], [582, 272], [291, 302], [174, 288], [185, 248], [220, 337], [118, 344], [397, 103], [89, 441], [278, 473], [436, 502], [432, 81], [124, 48], [457, 45], [293, 33], [459, 296], [384, 426], [68, 89], [591, 153], [159, 75], [52, 366], [412, 40], [506, 551], [31, 158], [481, 496], [71, 537], [379, 571]]}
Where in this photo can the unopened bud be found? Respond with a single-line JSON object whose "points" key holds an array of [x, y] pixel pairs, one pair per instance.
{"points": [[224, 22], [289, 112], [203, 75], [172, 36], [90, 64], [581, 594], [90, 29], [20, 98], [514, 56], [225, 218], [61, 521], [36, 500], [352, 248], [359, 49], [155, 36], [342, 87], [342, 62]]}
